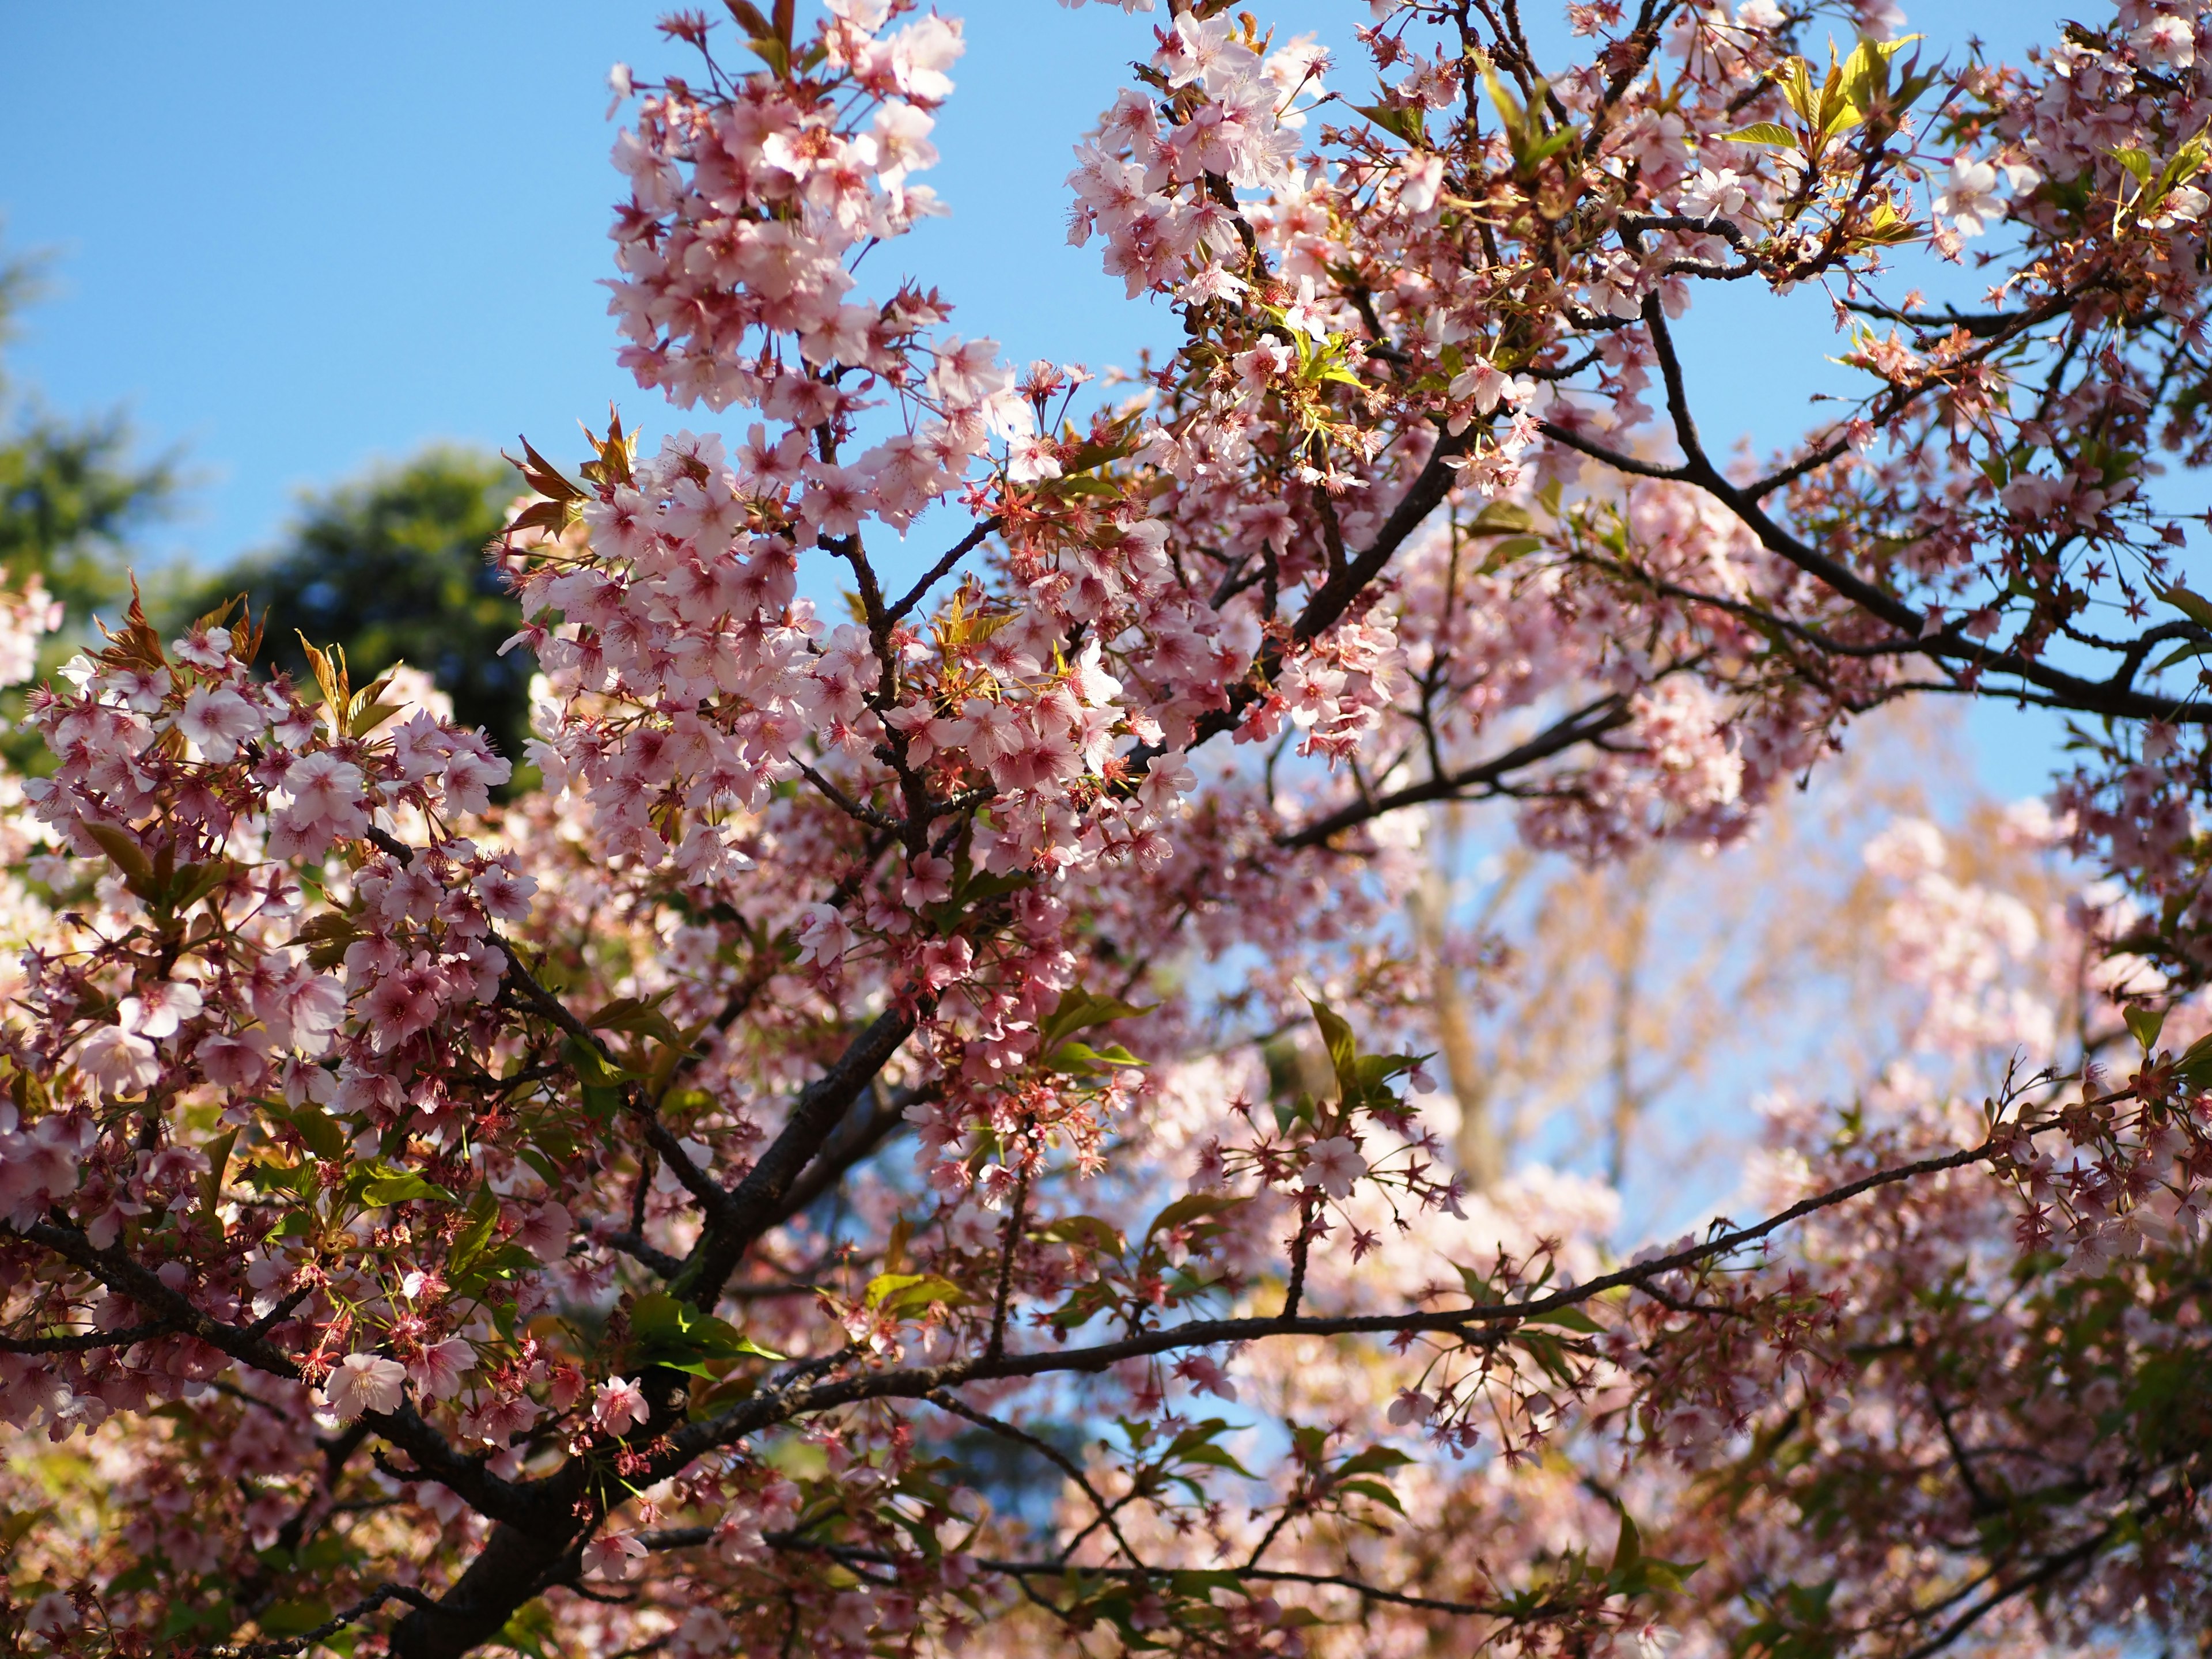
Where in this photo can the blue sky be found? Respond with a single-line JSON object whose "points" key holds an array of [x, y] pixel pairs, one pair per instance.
{"points": [[293, 241]]}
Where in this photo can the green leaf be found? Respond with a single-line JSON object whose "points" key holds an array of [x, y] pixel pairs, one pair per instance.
{"points": [[1763, 132], [195, 881], [1628, 1546], [748, 20], [1195, 1445], [1866, 72], [1549, 1356], [1375, 1490], [600, 1103], [1504, 552], [472, 1240], [1085, 456], [1209, 1455], [2144, 1023], [218, 1158], [637, 1017], [1547, 147], [2195, 1065], [1087, 1231], [531, 1631], [285, 1618], [1408, 123], [672, 1334], [2136, 161], [1081, 1059], [1079, 483], [1084, 1303], [2195, 606], [1573, 1318], [123, 848], [1510, 115], [319, 1129], [505, 1262], [904, 1294], [591, 1070], [1374, 1460], [1192, 1206], [1078, 1009], [1343, 1047], [368, 716], [382, 1183], [1501, 518]]}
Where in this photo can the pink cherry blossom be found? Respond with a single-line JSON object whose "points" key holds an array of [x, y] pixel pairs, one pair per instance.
{"points": [[618, 1405], [366, 1382]]}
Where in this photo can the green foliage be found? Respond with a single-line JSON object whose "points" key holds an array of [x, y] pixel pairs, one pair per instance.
{"points": [[69, 496], [909, 1296], [1078, 1010], [391, 566], [672, 1334]]}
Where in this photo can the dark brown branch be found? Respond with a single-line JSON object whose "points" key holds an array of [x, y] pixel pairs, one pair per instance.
{"points": [[959, 550], [858, 1140], [1591, 721], [1045, 1448], [635, 1247], [756, 1203], [322, 1632], [84, 1341], [677, 1538], [2087, 696], [873, 817]]}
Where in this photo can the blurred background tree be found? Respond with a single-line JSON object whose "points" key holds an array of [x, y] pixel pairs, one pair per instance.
{"points": [[391, 566], [72, 492]]}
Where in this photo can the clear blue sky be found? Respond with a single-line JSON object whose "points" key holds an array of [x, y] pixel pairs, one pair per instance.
{"points": [[294, 239]]}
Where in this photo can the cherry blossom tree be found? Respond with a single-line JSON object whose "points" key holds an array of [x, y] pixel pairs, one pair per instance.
{"points": [[594, 1223]]}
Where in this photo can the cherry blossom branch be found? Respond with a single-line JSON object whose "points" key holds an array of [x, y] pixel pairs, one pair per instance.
{"points": [[937, 573], [1015, 1211], [649, 1256], [874, 818], [2049, 1568], [1301, 1248], [513, 1566], [857, 1141], [322, 1632], [753, 1205], [748, 1418], [1334, 597], [682, 1538], [1631, 465], [405, 1427], [658, 1135], [85, 1342], [1422, 497], [2088, 697], [1593, 720], [1066, 1464]]}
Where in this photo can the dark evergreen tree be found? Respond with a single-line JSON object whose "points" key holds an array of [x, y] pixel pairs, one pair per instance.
{"points": [[391, 566]]}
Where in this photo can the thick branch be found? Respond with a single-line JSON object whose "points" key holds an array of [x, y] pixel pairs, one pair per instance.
{"points": [[756, 1203]]}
